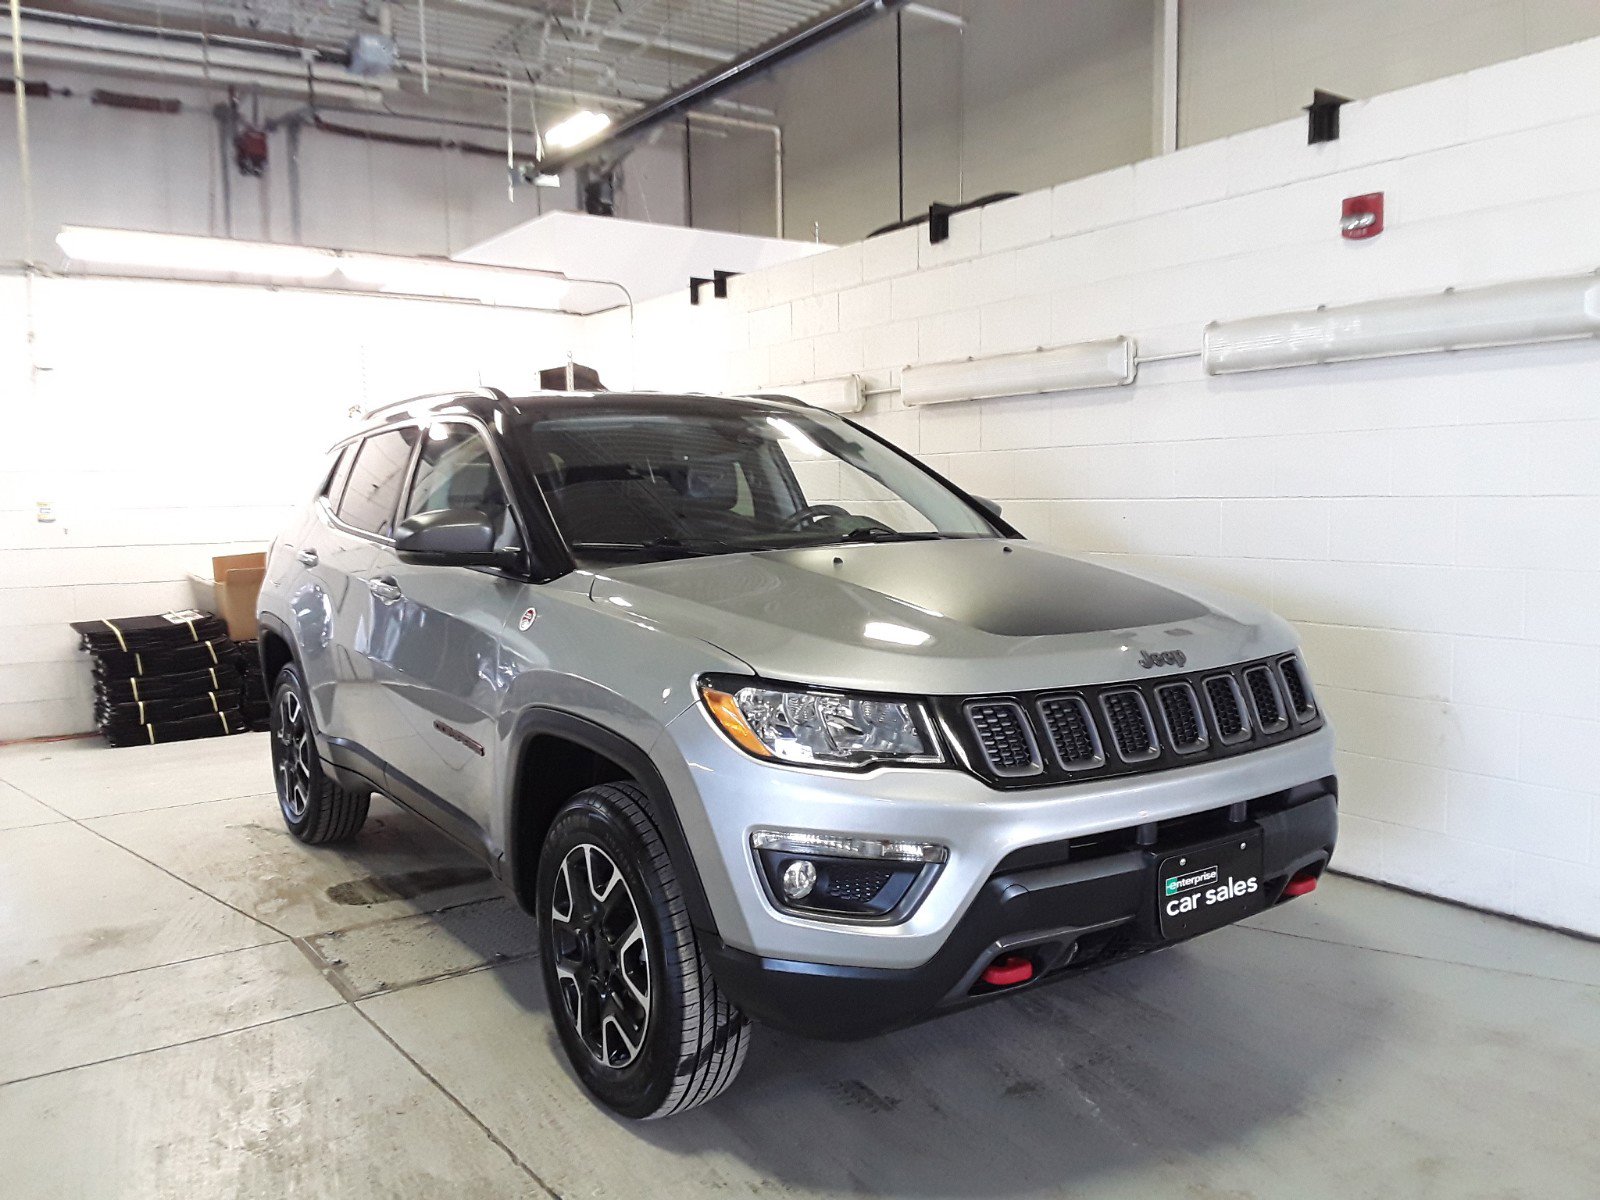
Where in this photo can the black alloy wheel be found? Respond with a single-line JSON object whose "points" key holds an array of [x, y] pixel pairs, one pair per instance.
{"points": [[601, 959], [646, 1028], [315, 808]]}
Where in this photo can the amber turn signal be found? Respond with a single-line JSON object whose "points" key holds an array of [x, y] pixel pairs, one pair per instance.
{"points": [[724, 709]]}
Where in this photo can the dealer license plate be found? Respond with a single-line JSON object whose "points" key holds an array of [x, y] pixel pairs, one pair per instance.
{"points": [[1210, 886]]}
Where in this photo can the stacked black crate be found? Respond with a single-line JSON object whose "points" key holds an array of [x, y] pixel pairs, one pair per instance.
{"points": [[255, 685], [169, 677]]}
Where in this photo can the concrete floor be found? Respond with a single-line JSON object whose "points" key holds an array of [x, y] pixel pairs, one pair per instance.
{"points": [[192, 1004]]}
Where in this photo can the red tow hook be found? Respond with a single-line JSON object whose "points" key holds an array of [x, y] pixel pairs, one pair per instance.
{"points": [[1305, 881], [1008, 970]]}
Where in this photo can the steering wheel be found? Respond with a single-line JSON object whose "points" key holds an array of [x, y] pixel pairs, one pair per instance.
{"points": [[811, 513]]}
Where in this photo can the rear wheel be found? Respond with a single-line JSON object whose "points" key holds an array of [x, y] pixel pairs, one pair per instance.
{"points": [[314, 807], [638, 1012]]}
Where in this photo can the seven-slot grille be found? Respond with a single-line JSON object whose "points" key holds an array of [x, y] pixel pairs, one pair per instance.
{"points": [[1071, 731], [1003, 734], [1143, 725]]}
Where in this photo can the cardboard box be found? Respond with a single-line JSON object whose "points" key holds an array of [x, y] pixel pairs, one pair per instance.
{"points": [[232, 590]]}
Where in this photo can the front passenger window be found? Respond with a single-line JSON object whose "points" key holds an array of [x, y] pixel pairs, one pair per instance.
{"points": [[455, 470]]}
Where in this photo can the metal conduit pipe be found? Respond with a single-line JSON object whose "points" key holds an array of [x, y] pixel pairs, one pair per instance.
{"points": [[777, 151]]}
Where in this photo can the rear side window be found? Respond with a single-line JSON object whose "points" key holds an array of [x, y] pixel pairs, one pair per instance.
{"points": [[376, 477], [333, 487]]}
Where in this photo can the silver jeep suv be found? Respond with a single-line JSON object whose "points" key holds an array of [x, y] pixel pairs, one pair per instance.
{"points": [[761, 719]]}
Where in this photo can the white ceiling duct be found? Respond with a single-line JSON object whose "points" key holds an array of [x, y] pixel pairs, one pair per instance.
{"points": [[1508, 314], [1108, 363]]}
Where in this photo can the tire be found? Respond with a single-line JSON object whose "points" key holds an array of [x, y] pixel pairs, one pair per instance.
{"points": [[315, 808], [642, 1020]]}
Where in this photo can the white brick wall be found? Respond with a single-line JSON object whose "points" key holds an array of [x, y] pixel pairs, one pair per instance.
{"points": [[1432, 525]]}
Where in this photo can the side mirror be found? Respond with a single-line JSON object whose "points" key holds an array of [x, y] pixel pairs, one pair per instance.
{"points": [[451, 537], [992, 507]]}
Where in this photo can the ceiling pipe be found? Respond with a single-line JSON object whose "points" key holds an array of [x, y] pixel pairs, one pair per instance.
{"points": [[147, 67], [279, 56], [719, 79], [105, 49], [35, 15]]}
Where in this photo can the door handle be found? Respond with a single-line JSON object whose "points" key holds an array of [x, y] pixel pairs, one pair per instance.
{"points": [[308, 558], [386, 590]]}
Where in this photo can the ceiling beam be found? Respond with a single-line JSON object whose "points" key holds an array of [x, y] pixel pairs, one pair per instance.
{"points": [[517, 12]]}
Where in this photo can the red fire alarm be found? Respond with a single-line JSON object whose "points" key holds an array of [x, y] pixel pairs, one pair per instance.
{"points": [[1362, 216]]}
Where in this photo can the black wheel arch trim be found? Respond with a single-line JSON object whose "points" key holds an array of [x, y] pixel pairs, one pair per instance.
{"points": [[541, 721]]}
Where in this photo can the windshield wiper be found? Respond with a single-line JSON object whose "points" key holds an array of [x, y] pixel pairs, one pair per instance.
{"points": [[892, 535], [668, 545]]}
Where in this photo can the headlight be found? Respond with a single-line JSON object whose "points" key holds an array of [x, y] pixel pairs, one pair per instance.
{"points": [[802, 725]]}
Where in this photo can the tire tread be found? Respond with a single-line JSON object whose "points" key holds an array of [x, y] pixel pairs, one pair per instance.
{"points": [[715, 1033], [334, 813]]}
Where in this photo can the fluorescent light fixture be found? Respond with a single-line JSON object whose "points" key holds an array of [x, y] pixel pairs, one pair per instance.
{"points": [[214, 258], [201, 255], [1108, 363], [845, 394], [454, 280], [576, 129], [546, 180], [1508, 314]]}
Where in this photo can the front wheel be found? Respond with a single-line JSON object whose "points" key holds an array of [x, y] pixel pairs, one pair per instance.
{"points": [[638, 1012], [314, 807]]}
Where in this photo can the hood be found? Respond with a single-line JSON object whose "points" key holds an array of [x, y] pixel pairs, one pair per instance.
{"points": [[940, 617]]}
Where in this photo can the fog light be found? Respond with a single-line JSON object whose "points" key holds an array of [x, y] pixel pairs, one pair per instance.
{"points": [[799, 877], [845, 877]]}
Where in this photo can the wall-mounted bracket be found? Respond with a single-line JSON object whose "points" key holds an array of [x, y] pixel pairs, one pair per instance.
{"points": [[696, 282], [719, 283], [939, 222], [1322, 123]]}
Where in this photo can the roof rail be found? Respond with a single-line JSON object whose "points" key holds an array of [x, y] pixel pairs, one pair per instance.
{"points": [[426, 398]]}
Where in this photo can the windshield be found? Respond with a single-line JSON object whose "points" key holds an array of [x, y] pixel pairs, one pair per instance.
{"points": [[631, 484]]}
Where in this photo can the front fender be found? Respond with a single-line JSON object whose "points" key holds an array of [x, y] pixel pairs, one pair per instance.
{"points": [[542, 720]]}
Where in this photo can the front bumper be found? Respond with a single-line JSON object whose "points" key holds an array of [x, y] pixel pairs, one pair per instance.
{"points": [[721, 795], [1067, 907]]}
